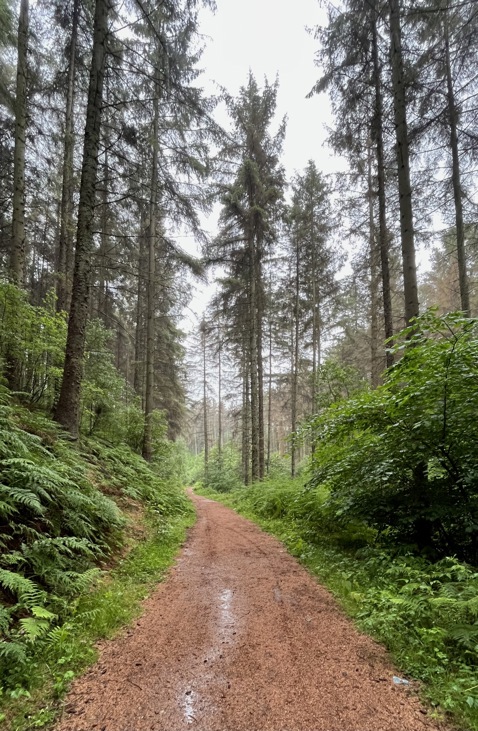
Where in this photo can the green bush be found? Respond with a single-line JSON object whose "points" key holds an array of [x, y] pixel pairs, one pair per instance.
{"points": [[403, 458]]}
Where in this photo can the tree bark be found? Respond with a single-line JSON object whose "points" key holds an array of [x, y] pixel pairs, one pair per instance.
{"points": [[219, 399], [269, 403], [65, 242], [139, 343], [204, 402], [295, 363], [102, 304], [260, 367], [17, 251], [456, 176], [254, 394], [246, 414], [374, 338], [403, 163], [151, 281], [384, 241], [67, 411]]}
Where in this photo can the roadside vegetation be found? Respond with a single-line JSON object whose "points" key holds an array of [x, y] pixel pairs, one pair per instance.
{"points": [[87, 528], [385, 513]]}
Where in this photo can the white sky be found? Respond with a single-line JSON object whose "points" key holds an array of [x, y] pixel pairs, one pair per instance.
{"points": [[269, 37]]}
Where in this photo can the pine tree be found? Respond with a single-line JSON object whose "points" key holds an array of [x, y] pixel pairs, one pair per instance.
{"points": [[250, 198], [67, 411]]}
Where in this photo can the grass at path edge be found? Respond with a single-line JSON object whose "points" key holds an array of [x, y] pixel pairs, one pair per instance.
{"points": [[102, 613]]}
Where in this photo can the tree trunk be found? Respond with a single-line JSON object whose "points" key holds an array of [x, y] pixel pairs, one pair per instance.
{"points": [[260, 368], [219, 399], [269, 403], [17, 251], [456, 176], [139, 343], [254, 394], [65, 242], [384, 241], [246, 415], [150, 296], [102, 304], [374, 336], [403, 164], [204, 402], [67, 411], [295, 364]]}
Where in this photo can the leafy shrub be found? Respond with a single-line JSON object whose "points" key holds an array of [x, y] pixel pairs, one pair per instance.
{"points": [[403, 458]]}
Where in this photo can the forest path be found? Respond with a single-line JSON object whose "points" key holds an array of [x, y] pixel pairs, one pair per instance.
{"points": [[240, 638]]}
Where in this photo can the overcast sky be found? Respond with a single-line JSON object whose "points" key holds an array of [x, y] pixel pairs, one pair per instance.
{"points": [[269, 37]]}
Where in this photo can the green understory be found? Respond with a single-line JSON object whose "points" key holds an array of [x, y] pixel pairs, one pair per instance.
{"points": [[112, 605], [423, 612], [86, 533]]}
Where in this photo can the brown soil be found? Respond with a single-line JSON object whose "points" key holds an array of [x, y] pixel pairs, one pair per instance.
{"points": [[241, 638]]}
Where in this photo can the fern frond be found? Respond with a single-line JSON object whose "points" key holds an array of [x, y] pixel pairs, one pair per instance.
{"points": [[24, 589], [34, 628], [13, 653]]}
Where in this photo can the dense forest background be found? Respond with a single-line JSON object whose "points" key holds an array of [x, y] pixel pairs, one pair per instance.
{"points": [[321, 353], [111, 155]]}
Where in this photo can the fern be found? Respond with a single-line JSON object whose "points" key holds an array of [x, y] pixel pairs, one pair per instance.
{"points": [[20, 498], [34, 628], [5, 619], [13, 653], [24, 589], [466, 635]]}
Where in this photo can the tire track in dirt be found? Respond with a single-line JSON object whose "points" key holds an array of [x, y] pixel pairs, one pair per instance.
{"points": [[240, 638]]}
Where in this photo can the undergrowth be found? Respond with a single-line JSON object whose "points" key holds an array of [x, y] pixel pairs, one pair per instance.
{"points": [[425, 613], [66, 515]]}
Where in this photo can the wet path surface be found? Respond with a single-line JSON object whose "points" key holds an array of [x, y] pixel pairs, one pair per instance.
{"points": [[240, 638]]}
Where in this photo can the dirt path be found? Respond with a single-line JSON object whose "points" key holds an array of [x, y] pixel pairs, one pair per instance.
{"points": [[240, 638]]}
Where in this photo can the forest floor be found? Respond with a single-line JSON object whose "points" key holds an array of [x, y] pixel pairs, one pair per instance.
{"points": [[241, 638]]}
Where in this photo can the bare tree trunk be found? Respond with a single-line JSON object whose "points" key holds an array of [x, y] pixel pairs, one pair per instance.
{"points": [[65, 242], [403, 163], [260, 370], [204, 401], [254, 393], [375, 369], [17, 251], [269, 404], [104, 245], [219, 398], [139, 344], [151, 281], [246, 415], [456, 177], [377, 128], [67, 411], [295, 364]]}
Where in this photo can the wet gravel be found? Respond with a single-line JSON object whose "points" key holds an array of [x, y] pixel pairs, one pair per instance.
{"points": [[241, 638]]}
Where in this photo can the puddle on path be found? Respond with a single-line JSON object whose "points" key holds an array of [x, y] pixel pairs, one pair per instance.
{"points": [[189, 704], [223, 633]]}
